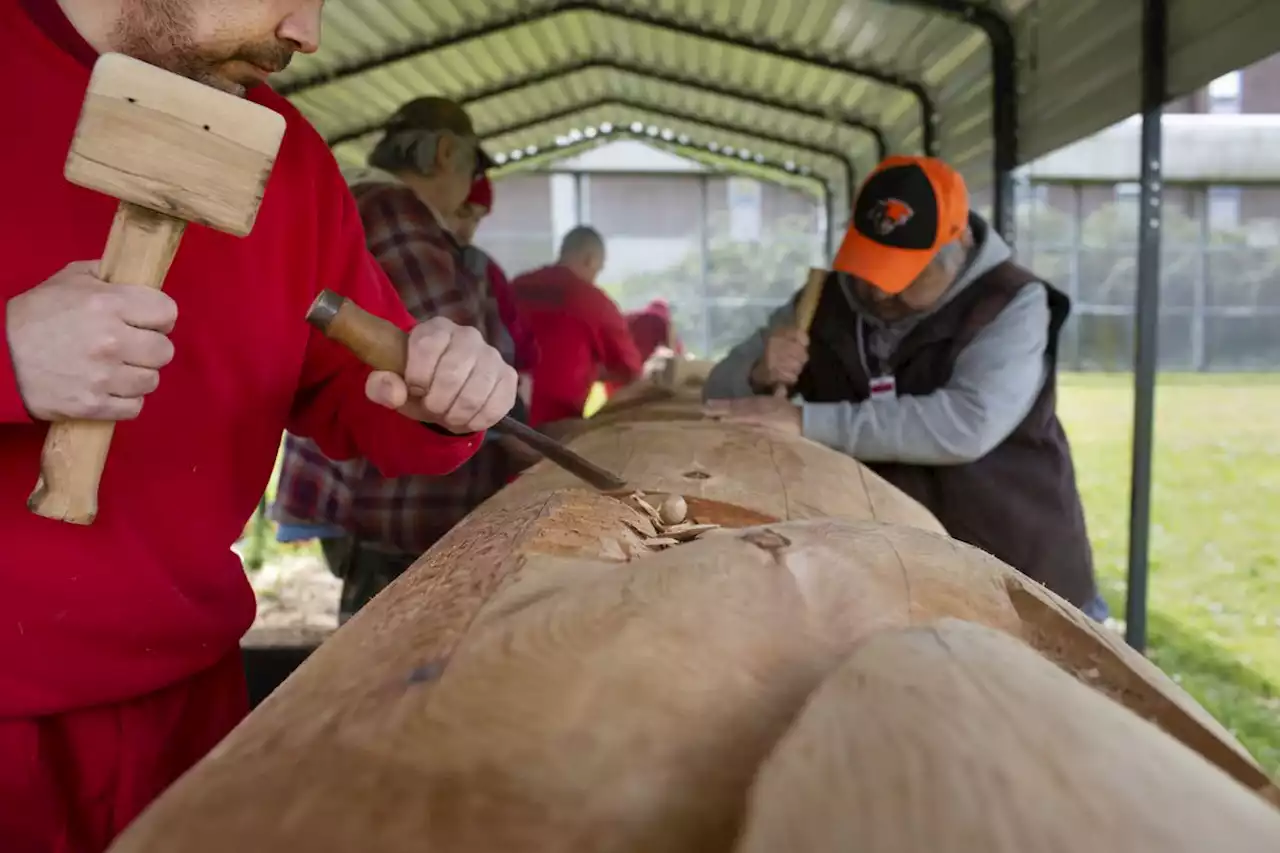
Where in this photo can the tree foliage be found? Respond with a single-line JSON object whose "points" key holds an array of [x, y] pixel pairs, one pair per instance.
{"points": [[721, 298]]}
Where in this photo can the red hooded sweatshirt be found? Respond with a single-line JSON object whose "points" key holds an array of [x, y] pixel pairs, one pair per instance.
{"points": [[582, 337], [151, 593], [650, 328]]}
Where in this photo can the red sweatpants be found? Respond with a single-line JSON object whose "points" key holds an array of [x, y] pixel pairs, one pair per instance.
{"points": [[72, 782]]}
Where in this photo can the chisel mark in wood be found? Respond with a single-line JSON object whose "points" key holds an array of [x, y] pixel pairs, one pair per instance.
{"points": [[528, 601], [427, 673], [782, 482], [907, 595], [768, 540]]}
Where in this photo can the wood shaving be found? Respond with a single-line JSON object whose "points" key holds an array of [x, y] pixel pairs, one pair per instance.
{"points": [[667, 520], [688, 532], [612, 549], [641, 529], [648, 508], [634, 551]]}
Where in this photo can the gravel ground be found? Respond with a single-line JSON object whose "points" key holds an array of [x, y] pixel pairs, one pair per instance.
{"points": [[297, 597]]}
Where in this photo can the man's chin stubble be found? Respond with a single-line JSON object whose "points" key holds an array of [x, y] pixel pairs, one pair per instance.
{"points": [[228, 86], [216, 81]]}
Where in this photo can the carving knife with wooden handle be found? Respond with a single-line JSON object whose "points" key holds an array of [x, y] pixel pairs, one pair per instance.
{"points": [[382, 345]]}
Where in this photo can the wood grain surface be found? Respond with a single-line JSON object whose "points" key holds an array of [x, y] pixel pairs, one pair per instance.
{"points": [[540, 682], [954, 738]]}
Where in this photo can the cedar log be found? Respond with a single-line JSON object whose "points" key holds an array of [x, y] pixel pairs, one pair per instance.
{"points": [[541, 681], [979, 744]]}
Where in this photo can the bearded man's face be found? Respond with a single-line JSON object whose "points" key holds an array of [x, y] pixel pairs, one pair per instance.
{"points": [[227, 44]]}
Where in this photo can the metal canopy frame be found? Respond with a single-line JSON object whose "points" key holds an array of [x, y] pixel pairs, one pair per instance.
{"points": [[1004, 97], [928, 115], [1005, 155], [551, 152], [993, 24], [668, 112], [786, 174], [850, 169], [556, 75]]}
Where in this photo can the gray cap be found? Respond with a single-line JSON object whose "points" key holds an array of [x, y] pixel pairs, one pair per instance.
{"points": [[430, 114]]}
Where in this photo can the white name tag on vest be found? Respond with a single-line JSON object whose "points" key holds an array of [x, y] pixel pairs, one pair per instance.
{"points": [[883, 387]]}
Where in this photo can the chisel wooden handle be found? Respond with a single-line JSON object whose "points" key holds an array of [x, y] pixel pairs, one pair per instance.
{"points": [[383, 345], [806, 307], [140, 249], [374, 340]]}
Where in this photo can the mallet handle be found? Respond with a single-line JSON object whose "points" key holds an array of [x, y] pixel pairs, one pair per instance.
{"points": [[140, 249], [806, 307]]}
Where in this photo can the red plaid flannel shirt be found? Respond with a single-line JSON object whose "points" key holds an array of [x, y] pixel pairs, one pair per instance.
{"points": [[434, 278]]}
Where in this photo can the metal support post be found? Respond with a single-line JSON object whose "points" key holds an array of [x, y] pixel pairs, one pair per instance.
{"points": [[1004, 100], [829, 202], [704, 289], [1154, 89]]}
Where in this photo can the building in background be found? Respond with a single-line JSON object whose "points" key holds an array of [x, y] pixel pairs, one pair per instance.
{"points": [[724, 250], [1220, 271]]}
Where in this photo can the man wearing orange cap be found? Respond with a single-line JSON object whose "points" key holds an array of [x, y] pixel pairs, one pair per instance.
{"points": [[932, 359]]}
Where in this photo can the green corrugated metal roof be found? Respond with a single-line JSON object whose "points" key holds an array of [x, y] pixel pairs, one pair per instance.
{"points": [[535, 71]]}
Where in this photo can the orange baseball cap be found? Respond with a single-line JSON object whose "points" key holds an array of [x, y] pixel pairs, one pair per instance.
{"points": [[907, 209]]}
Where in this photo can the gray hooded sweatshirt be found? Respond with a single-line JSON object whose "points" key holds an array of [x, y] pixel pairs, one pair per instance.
{"points": [[994, 384]]}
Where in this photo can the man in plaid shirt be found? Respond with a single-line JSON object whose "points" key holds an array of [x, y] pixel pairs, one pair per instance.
{"points": [[421, 173]]}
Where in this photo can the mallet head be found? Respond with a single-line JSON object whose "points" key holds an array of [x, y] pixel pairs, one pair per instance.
{"points": [[172, 145]]}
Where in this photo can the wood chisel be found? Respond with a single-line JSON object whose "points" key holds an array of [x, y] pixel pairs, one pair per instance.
{"points": [[382, 345]]}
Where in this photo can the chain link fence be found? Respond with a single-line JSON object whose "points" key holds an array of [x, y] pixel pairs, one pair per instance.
{"points": [[1219, 275]]}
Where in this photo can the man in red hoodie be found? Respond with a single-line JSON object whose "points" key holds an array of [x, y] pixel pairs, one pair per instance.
{"points": [[119, 660], [581, 333]]}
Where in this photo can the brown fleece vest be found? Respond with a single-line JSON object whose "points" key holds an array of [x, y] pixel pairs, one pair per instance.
{"points": [[1020, 501]]}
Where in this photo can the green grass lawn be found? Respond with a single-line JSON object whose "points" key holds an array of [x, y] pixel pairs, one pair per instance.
{"points": [[1215, 575]]}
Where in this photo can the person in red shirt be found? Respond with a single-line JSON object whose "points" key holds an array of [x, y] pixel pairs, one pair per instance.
{"points": [[478, 205], [650, 328], [119, 658], [581, 333]]}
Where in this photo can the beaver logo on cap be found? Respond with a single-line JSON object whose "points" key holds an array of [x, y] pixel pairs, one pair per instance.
{"points": [[888, 214]]}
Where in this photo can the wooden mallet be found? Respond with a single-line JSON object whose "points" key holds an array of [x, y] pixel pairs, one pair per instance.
{"points": [[173, 151], [806, 307]]}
